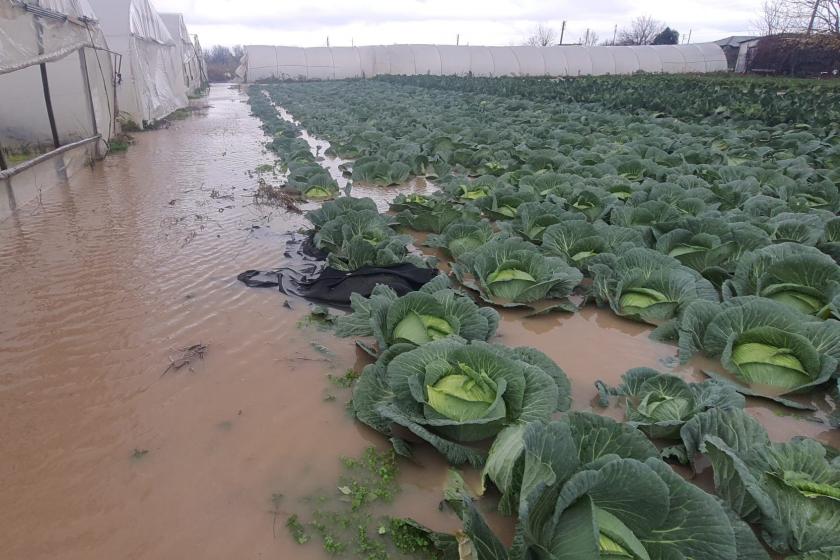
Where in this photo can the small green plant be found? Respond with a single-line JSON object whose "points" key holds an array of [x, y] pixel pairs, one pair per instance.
{"points": [[345, 381], [297, 529], [139, 453], [345, 525], [409, 538]]}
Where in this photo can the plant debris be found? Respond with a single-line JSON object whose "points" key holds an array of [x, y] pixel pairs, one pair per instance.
{"points": [[270, 195], [188, 355]]}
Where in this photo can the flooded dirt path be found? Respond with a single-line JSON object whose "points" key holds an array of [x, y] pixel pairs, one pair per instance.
{"points": [[106, 277], [101, 284]]}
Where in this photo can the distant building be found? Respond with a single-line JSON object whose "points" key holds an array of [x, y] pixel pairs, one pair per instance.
{"points": [[731, 46]]}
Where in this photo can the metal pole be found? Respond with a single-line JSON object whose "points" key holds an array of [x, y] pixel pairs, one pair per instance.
{"points": [[562, 31], [39, 37], [88, 93], [48, 101], [3, 165]]}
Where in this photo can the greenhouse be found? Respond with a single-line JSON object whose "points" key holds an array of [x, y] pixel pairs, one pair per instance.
{"points": [[323, 63], [56, 77], [188, 53], [150, 83]]}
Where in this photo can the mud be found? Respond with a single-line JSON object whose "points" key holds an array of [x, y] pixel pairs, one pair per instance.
{"points": [[113, 273]]}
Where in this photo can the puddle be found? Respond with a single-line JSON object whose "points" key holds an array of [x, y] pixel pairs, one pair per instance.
{"points": [[111, 275]]}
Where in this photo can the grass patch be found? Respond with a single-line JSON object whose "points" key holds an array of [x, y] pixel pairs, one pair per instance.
{"points": [[178, 114], [120, 143]]}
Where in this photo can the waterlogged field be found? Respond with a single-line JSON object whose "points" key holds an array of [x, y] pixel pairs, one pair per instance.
{"points": [[712, 236], [631, 351]]}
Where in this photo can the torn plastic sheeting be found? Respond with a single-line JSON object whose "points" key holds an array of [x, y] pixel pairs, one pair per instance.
{"points": [[26, 39]]}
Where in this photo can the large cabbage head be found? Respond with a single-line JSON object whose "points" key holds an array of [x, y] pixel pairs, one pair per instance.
{"points": [[435, 215], [660, 404], [578, 241], [795, 275], [591, 488], [461, 237], [792, 490], [431, 313], [763, 343], [648, 286], [451, 393], [502, 203], [334, 208], [511, 272], [532, 218], [366, 224]]}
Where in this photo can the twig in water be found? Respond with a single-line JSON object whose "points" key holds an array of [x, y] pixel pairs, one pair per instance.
{"points": [[188, 355]]}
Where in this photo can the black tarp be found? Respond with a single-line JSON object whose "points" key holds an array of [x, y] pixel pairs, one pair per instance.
{"points": [[305, 275]]}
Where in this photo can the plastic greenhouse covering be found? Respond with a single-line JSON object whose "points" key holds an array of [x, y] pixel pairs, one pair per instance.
{"points": [[187, 53], [267, 62], [151, 83], [65, 37]]}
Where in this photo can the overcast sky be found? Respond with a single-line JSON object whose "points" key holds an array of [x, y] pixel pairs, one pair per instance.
{"points": [[479, 22]]}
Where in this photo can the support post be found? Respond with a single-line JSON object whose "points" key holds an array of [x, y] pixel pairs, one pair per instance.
{"points": [[48, 101], [88, 92], [562, 31], [3, 165]]}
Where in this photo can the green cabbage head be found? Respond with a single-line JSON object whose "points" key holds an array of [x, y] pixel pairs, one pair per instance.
{"points": [[792, 490], [451, 393], [512, 272], [431, 313], [764, 344]]}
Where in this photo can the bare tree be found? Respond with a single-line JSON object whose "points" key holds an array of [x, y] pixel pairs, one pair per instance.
{"points": [[542, 36], [590, 39], [823, 16], [642, 31], [798, 16], [774, 18]]}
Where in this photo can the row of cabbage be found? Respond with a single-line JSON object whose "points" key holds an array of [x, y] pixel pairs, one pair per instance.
{"points": [[773, 101], [585, 486], [302, 172]]}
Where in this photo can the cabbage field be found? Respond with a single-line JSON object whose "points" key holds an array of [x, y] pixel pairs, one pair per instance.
{"points": [[705, 208]]}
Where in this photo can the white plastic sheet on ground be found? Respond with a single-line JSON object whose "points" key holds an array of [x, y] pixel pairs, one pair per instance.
{"points": [[151, 76], [28, 40], [263, 62]]}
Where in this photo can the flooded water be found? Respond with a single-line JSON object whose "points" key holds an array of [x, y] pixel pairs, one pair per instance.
{"points": [[104, 280]]}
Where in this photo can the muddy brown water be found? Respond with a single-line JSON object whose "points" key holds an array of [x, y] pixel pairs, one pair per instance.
{"points": [[108, 275]]}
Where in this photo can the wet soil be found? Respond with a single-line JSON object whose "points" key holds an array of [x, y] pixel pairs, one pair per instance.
{"points": [[108, 277]]}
